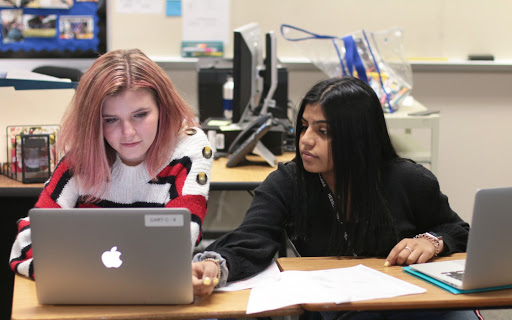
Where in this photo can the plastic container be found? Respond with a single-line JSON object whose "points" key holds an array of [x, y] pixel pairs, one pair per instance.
{"points": [[227, 98]]}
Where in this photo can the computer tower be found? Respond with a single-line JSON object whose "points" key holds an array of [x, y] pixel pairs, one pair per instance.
{"points": [[210, 82]]}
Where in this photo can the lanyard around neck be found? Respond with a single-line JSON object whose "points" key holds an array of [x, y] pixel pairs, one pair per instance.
{"points": [[338, 216]]}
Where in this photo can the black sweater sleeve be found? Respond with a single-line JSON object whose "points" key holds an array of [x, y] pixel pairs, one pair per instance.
{"points": [[429, 208], [251, 247]]}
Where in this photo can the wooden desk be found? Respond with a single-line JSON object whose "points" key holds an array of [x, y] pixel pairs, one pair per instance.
{"points": [[12, 188], [246, 177], [218, 305], [434, 298]]}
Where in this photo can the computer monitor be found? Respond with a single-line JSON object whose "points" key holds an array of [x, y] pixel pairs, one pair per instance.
{"points": [[247, 63], [270, 80], [255, 80], [251, 77]]}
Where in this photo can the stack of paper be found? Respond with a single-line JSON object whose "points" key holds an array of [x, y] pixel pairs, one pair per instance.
{"points": [[272, 289]]}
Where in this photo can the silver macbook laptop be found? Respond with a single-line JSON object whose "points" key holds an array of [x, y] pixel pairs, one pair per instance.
{"points": [[489, 259], [112, 256]]}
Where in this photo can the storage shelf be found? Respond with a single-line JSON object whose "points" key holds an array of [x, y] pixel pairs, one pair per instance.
{"points": [[408, 147], [405, 143]]}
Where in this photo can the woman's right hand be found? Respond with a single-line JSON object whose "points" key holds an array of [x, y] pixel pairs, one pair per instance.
{"points": [[204, 277]]}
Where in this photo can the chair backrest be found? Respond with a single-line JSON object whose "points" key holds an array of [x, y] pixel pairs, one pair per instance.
{"points": [[60, 72]]}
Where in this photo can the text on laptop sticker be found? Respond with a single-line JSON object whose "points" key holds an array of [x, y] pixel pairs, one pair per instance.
{"points": [[163, 220]]}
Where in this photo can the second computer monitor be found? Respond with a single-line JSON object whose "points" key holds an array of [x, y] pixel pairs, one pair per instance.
{"points": [[247, 63]]}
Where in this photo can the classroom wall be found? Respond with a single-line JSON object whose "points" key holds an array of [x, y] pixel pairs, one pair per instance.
{"points": [[433, 29], [475, 134]]}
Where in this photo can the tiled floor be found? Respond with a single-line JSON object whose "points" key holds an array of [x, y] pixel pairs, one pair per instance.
{"points": [[497, 314]]}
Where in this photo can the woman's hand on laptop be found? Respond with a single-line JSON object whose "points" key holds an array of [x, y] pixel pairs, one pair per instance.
{"points": [[409, 251], [204, 277]]}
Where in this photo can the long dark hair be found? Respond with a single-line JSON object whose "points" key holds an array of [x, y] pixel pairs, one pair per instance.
{"points": [[360, 146]]}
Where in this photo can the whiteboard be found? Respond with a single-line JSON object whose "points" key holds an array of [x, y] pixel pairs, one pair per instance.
{"points": [[434, 29]]}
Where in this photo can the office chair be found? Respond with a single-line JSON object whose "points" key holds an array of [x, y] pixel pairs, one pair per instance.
{"points": [[60, 72]]}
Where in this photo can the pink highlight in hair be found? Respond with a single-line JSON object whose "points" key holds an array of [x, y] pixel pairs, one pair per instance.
{"points": [[81, 136]]}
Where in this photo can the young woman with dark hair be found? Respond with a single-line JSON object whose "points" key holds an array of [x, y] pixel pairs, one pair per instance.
{"points": [[346, 193]]}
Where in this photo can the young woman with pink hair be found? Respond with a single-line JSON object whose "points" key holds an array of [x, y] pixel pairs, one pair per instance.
{"points": [[129, 140]]}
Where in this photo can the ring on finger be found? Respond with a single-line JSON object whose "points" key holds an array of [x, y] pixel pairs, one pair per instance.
{"points": [[410, 250]]}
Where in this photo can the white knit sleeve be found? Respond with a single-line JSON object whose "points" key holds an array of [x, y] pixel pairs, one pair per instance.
{"points": [[20, 260]]}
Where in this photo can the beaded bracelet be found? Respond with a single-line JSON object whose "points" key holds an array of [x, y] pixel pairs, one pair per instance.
{"points": [[217, 262], [434, 240]]}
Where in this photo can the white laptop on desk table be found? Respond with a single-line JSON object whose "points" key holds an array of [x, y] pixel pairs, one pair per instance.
{"points": [[112, 256], [488, 261]]}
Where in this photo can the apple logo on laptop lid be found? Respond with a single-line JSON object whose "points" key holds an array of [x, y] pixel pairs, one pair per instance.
{"points": [[111, 258]]}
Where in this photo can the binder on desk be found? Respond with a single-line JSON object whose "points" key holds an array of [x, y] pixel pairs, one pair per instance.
{"points": [[30, 84], [447, 287], [488, 262]]}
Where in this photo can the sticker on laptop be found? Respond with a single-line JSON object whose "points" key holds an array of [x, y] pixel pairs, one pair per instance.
{"points": [[163, 220]]}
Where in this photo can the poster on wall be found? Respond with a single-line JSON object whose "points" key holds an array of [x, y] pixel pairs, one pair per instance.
{"points": [[52, 28]]}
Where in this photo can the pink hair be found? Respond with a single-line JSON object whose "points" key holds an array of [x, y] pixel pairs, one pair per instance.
{"points": [[81, 135]]}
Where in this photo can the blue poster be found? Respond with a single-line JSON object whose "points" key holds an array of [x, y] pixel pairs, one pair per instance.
{"points": [[52, 28]]}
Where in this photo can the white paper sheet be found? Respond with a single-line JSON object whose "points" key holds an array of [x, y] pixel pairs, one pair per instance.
{"points": [[270, 275], [139, 6], [206, 20], [327, 286]]}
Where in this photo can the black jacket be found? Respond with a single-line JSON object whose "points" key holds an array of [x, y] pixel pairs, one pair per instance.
{"points": [[412, 192]]}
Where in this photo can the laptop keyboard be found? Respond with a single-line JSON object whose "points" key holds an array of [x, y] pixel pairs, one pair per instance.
{"points": [[455, 274]]}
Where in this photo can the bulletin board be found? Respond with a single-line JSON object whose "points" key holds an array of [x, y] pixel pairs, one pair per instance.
{"points": [[52, 28]]}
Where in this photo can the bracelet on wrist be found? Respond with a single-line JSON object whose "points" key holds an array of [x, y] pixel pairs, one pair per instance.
{"points": [[434, 239], [217, 262]]}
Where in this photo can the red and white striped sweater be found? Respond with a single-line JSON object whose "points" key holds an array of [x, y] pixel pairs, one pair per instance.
{"points": [[184, 182]]}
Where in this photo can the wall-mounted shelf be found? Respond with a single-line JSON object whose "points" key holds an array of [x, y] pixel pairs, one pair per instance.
{"points": [[298, 63], [291, 63]]}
